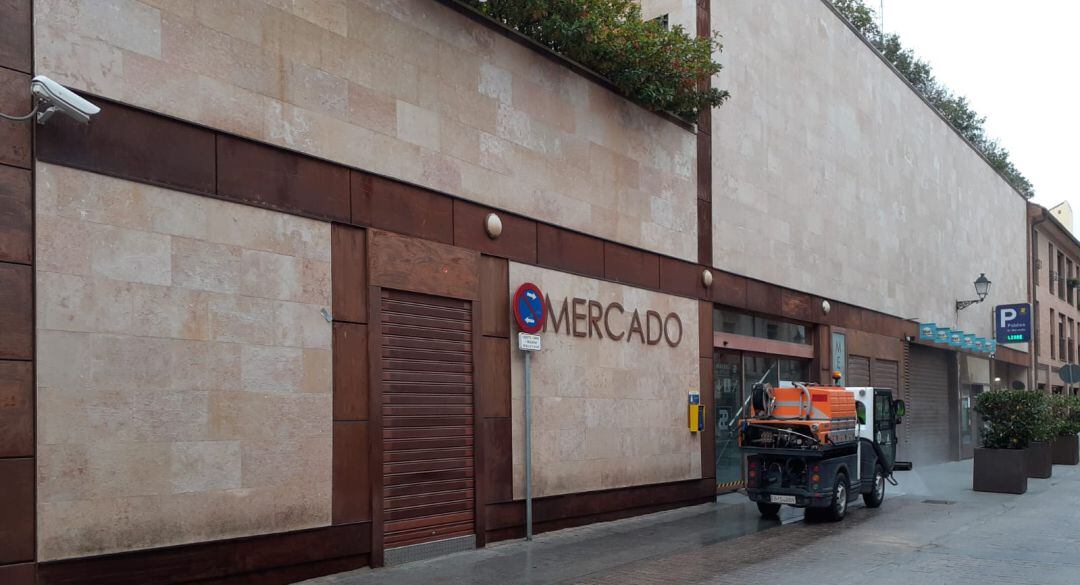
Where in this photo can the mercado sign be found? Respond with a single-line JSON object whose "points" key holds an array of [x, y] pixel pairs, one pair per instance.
{"points": [[588, 318]]}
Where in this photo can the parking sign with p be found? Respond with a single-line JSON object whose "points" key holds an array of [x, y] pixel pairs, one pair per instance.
{"points": [[1012, 323]]}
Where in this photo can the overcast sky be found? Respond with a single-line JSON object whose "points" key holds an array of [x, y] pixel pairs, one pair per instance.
{"points": [[1017, 64]]}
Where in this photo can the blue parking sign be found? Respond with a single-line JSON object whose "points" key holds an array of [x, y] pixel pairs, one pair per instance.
{"points": [[1012, 323]]}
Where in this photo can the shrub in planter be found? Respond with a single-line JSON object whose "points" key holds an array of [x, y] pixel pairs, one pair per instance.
{"points": [[1065, 413], [1040, 462], [1010, 422], [659, 68]]}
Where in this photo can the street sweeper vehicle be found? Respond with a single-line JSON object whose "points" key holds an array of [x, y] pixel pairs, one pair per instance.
{"points": [[819, 447]]}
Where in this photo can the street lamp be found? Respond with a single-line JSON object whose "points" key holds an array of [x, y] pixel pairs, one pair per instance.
{"points": [[982, 288]]}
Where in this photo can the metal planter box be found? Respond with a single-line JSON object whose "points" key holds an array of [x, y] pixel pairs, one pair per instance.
{"points": [[1066, 450], [1040, 462], [1003, 471]]}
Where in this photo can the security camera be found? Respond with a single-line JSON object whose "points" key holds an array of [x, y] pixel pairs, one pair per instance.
{"points": [[53, 97]]}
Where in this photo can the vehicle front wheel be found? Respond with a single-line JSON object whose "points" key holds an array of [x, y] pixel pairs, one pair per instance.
{"points": [[838, 507], [768, 509], [875, 496]]}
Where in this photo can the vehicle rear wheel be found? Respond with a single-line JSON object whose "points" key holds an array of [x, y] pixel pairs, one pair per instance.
{"points": [[768, 509], [838, 507], [875, 496]]}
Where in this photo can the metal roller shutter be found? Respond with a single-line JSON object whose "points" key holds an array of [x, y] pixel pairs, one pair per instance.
{"points": [[886, 374], [926, 426], [427, 408], [858, 371]]}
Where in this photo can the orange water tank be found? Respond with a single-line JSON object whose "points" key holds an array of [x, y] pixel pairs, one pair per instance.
{"points": [[825, 412]]}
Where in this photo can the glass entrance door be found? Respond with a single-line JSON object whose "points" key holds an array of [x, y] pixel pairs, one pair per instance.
{"points": [[727, 398], [734, 374]]}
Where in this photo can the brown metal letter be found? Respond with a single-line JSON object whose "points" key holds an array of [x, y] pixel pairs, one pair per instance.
{"points": [[575, 315], [649, 315], [594, 319], [667, 337], [555, 319], [635, 325], [607, 323]]}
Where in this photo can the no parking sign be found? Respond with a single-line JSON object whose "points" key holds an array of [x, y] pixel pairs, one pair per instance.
{"points": [[529, 308]]}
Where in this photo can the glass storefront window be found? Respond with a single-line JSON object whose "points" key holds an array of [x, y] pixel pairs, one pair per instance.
{"points": [[738, 323]]}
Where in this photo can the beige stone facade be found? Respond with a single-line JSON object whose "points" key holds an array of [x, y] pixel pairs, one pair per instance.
{"points": [[404, 88], [832, 176], [606, 413], [183, 373]]}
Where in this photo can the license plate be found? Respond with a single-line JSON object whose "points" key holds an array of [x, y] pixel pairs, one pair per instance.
{"points": [[782, 499]]}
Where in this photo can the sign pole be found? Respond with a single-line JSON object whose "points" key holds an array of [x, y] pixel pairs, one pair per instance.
{"points": [[529, 313], [528, 448]]}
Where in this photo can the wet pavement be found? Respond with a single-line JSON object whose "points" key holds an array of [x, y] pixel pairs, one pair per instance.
{"points": [[931, 530]]}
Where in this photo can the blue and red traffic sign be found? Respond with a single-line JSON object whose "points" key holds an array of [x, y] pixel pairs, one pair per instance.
{"points": [[529, 308]]}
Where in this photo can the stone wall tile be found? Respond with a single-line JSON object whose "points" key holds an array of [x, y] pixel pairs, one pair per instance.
{"points": [[158, 376], [132, 256], [127, 24], [241, 319], [159, 311], [417, 125], [204, 266], [271, 369], [372, 109], [318, 370], [77, 303], [204, 466], [300, 325]]}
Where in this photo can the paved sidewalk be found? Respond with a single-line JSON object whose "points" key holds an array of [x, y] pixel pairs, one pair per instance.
{"points": [[931, 530]]}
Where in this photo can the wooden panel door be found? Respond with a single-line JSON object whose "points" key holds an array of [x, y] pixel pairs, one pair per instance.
{"points": [[427, 413]]}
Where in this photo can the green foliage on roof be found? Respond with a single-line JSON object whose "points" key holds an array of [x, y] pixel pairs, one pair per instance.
{"points": [[659, 68], [954, 108]]}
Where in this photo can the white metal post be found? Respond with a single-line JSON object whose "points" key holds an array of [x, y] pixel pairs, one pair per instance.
{"points": [[528, 448]]}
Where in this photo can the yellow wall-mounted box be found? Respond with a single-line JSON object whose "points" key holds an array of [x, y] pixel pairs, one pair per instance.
{"points": [[695, 413]]}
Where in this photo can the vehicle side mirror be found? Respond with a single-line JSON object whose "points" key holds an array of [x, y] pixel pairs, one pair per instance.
{"points": [[899, 408]]}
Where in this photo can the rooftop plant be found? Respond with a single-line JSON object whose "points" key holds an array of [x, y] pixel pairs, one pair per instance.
{"points": [[954, 108], [659, 68]]}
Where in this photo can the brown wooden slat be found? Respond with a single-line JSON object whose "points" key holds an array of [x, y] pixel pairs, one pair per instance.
{"points": [[396, 365], [425, 354], [427, 465], [428, 454], [426, 433], [425, 322], [408, 445], [439, 520], [437, 377], [429, 344], [426, 476], [393, 514], [427, 421], [400, 296], [428, 488], [427, 399], [403, 388], [427, 416], [416, 309], [429, 498], [392, 330], [428, 410]]}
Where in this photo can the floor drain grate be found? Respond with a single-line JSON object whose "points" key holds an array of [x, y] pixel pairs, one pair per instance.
{"points": [[939, 502]]}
